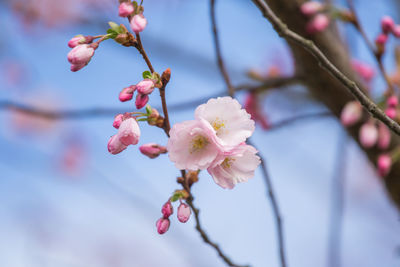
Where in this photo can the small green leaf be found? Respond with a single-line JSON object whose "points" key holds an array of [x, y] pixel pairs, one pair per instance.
{"points": [[146, 74], [142, 119], [113, 25], [177, 195], [148, 109]]}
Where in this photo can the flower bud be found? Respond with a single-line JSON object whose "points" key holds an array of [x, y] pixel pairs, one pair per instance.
{"points": [[75, 67], [145, 87], [380, 42], [391, 112], [184, 212], [115, 146], [125, 9], [141, 100], [351, 113], [364, 70], [138, 23], [127, 93], [81, 54], [384, 164], [387, 24], [167, 209], [117, 120], [311, 8], [317, 24], [80, 39], [384, 136], [129, 132], [392, 101], [368, 135], [152, 150], [162, 225]]}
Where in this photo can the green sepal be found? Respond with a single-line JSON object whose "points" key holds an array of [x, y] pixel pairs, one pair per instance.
{"points": [[147, 75]]}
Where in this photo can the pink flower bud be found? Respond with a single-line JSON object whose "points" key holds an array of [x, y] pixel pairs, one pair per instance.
{"points": [[396, 31], [351, 113], [80, 39], [127, 93], [162, 225], [184, 212], [145, 87], [141, 101], [138, 23], [384, 164], [384, 136], [125, 9], [167, 209], [311, 8], [393, 101], [152, 150], [364, 70], [81, 54], [368, 135], [391, 112], [381, 39], [129, 132], [387, 24], [117, 120], [75, 67], [317, 24], [115, 146]]}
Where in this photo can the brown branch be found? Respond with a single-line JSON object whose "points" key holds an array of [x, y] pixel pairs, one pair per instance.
{"points": [[370, 45], [324, 62], [220, 61]]}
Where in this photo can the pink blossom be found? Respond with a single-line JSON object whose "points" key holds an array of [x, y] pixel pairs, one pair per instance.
{"points": [[127, 93], [381, 39], [351, 113], [115, 146], [391, 112], [162, 225], [152, 150], [125, 9], [236, 167], [141, 100], [167, 209], [384, 164], [231, 123], [364, 70], [138, 23], [387, 24], [183, 212], [368, 135], [81, 54], [117, 120], [129, 132], [396, 31], [384, 136], [79, 39], [145, 87], [192, 145], [310, 8], [318, 23], [393, 101]]}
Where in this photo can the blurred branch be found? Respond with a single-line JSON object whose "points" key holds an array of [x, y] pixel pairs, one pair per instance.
{"points": [[283, 31], [231, 91], [270, 83]]}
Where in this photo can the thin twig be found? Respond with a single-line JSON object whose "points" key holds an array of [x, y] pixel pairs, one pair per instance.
{"points": [[221, 64], [283, 30], [270, 83], [370, 45]]}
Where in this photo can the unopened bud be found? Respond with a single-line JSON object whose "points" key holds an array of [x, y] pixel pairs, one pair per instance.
{"points": [[391, 112], [141, 100], [184, 212], [368, 135], [311, 8], [351, 113], [138, 23], [317, 24], [384, 136], [127, 93], [384, 164], [167, 209], [125, 9], [152, 150], [162, 225], [145, 87], [393, 101], [387, 24], [117, 120]]}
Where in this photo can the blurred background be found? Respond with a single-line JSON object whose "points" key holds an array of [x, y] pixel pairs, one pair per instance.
{"points": [[67, 202]]}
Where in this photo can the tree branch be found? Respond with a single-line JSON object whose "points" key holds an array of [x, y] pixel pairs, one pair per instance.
{"points": [[324, 62]]}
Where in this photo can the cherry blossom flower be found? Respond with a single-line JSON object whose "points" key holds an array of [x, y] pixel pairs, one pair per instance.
{"points": [[192, 145], [231, 123], [235, 168]]}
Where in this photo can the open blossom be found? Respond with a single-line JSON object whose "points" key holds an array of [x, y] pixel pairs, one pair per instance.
{"points": [[192, 145], [310, 8], [351, 113], [384, 164], [368, 135], [80, 56], [318, 23], [125, 9], [235, 168], [127, 93], [145, 87], [152, 150], [231, 123], [138, 23], [183, 213]]}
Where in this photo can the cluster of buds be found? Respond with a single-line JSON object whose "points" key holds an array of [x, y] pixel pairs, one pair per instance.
{"points": [[134, 13], [167, 210], [128, 133], [318, 19], [388, 27]]}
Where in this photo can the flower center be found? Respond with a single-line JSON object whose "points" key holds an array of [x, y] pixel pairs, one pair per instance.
{"points": [[227, 163], [218, 124], [198, 143]]}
